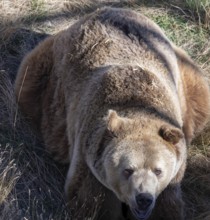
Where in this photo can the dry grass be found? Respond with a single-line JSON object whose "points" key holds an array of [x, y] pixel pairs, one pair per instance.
{"points": [[201, 10], [31, 184]]}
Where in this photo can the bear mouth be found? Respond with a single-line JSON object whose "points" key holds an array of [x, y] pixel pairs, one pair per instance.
{"points": [[141, 215]]}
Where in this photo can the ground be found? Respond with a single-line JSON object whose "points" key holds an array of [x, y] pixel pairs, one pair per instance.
{"points": [[31, 183]]}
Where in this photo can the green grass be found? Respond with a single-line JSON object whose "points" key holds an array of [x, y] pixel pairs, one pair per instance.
{"points": [[198, 4], [37, 11], [37, 5], [189, 36], [200, 11]]}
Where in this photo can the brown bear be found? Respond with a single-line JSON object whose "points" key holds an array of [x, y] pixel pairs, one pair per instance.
{"points": [[114, 98]]}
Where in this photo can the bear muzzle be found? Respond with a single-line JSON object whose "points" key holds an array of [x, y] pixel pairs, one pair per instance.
{"points": [[144, 204]]}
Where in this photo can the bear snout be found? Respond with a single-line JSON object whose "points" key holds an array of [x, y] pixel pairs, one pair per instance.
{"points": [[144, 201], [144, 205]]}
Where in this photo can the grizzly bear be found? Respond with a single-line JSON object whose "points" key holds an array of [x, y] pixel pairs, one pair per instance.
{"points": [[114, 98]]}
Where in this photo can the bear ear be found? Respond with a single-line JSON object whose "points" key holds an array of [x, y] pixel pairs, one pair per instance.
{"points": [[114, 122], [170, 134]]}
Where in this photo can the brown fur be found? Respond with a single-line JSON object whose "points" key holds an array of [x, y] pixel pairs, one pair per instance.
{"points": [[196, 91], [120, 60]]}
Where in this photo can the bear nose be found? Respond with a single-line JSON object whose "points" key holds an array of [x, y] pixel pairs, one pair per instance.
{"points": [[144, 200]]}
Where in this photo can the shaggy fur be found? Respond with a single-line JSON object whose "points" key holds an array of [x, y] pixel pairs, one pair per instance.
{"points": [[120, 60]]}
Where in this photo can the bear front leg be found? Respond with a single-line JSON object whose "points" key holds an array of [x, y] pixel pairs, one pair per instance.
{"points": [[33, 79], [169, 204], [89, 199]]}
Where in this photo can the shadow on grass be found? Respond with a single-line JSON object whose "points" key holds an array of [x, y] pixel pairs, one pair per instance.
{"points": [[31, 183], [15, 43]]}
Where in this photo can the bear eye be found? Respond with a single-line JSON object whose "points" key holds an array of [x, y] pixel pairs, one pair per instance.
{"points": [[157, 171], [127, 173]]}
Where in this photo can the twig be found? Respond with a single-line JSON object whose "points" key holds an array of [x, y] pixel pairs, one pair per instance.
{"points": [[16, 112]]}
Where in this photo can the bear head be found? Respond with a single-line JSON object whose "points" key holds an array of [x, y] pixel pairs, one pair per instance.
{"points": [[142, 156]]}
